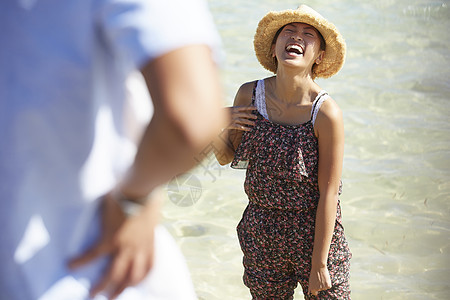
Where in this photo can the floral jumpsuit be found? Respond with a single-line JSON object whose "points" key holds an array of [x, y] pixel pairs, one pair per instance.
{"points": [[276, 232]]}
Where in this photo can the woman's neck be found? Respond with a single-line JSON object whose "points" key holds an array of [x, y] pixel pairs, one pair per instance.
{"points": [[294, 89]]}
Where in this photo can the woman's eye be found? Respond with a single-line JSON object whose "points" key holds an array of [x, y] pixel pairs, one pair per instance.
{"points": [[309, 34]]}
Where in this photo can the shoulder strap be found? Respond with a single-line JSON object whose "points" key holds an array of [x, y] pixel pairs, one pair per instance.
{"points": [[321, 97], [260, 98], [254, 92]]}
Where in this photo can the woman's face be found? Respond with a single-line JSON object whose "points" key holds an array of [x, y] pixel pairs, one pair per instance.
{"points": [[298, 45]]}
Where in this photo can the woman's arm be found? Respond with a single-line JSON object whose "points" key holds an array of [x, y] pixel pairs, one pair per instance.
{"points": [[329, 129], [241, 120]]}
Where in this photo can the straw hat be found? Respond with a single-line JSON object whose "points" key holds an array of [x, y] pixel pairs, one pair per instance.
{"points": [[269, 25]]}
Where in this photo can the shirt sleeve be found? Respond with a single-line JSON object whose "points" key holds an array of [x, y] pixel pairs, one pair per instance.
{"points": [[141, 30]]}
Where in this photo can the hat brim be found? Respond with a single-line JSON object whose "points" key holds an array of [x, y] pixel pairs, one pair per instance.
{"points": [[334, 56]]}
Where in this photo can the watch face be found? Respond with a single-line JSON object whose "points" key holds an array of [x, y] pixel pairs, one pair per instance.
{"points": [[130, 208]]}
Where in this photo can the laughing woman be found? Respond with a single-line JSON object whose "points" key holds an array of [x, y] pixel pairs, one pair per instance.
{"points": [[291, 231]]}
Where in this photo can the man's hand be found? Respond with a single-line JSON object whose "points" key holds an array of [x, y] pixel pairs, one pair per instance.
{"points": [[129, 242]]}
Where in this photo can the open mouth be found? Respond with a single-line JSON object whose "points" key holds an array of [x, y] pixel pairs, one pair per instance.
{"points": [[294, 49]]}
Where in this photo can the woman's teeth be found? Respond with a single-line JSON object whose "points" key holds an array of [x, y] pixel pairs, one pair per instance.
{"points": [[294, 49]]}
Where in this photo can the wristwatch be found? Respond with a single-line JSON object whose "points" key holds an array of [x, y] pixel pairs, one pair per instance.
{"points": [[130, 206]]}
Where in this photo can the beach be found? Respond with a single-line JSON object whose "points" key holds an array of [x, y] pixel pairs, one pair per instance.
{"points": [[393, 91]]}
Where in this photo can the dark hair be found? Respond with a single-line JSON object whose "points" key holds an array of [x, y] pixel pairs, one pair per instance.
{"points": [[277, 34], [323, 46]]}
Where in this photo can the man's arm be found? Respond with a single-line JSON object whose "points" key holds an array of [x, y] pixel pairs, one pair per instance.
{"points": [[186, 94], [185, 91]]}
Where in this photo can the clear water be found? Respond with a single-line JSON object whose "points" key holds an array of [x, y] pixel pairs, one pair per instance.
{"points": [[393, 90]]}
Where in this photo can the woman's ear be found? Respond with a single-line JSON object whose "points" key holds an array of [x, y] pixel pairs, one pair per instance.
{"points": [[319, 57], [272, 50]]}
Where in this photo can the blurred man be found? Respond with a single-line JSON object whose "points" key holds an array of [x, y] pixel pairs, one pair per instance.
{"points": [[79, 200]]}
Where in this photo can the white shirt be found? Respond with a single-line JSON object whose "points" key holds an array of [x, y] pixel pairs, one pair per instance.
{"points": [[63, 129]]}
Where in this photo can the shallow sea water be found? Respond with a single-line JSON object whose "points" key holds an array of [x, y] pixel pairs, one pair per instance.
{"points": [[393, 90]]}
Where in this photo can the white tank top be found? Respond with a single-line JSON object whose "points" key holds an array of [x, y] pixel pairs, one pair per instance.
{"points": [[260, 101]]}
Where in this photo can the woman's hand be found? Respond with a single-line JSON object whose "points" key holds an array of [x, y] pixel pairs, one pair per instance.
{"points": [[242, 117], [319, 280], [129, 243]]}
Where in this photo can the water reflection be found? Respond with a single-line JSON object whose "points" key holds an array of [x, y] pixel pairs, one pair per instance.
{"points": [[394, 90]]}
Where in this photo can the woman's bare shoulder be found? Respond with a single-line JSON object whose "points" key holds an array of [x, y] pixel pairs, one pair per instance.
{"points": [[330, 110], [244, 94], [329, 117]]}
